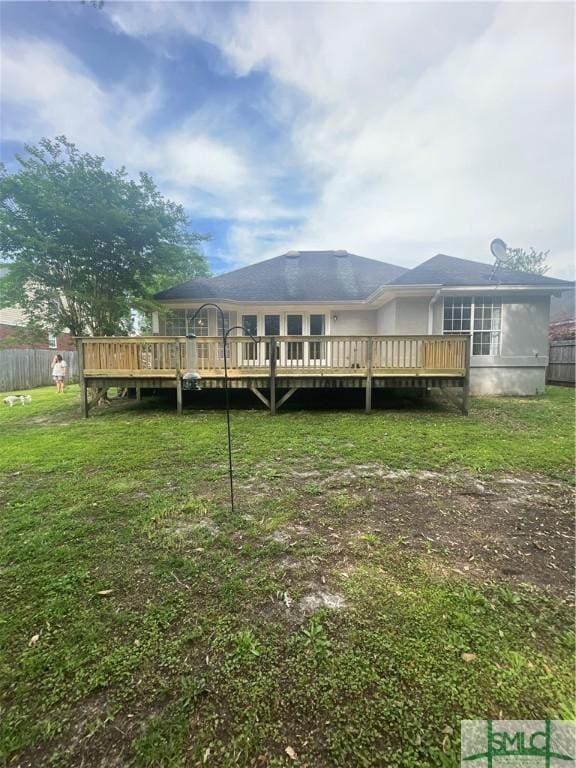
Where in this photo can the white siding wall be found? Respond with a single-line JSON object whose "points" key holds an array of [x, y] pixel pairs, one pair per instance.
{"points": [[386, 318], [412, 315], [359, 322], [409, 316], [525, 327]]}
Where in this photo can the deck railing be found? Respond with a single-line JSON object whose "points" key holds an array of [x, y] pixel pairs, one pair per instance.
{"points": [[144, 356]]}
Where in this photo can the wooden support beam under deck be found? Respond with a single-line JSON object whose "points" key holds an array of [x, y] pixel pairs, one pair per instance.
{"points": [[260, 396], [286, 396], [98, 395]]}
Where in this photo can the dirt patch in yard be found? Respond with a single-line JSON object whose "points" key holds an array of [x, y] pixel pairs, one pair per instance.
{"points": [[515, 528]]}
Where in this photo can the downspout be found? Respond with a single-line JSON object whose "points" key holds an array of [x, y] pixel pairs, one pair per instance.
{"points": [[433, 301]]}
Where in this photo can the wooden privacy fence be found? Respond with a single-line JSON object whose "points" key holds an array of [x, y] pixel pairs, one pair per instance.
{"points": [[314, 355], [561, 362], [22, 369]]}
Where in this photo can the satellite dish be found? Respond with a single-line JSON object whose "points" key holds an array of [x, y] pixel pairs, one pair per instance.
{"points": [[499, 249], [500, 252]]}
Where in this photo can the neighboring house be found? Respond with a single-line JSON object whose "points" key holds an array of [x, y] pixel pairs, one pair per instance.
{"points": [[15, 334], [562, 316], [335, 293]]}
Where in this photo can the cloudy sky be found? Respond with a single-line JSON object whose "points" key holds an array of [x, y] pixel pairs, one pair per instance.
{"points": [[393, 130]]}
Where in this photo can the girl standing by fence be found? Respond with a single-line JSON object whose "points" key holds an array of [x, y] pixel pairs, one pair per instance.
{"points": [[59, 368]]}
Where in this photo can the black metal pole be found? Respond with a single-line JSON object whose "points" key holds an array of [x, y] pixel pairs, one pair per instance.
{"points": [[227, 399], [226, 389]]}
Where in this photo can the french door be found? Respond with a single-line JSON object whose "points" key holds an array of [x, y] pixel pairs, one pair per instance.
{"points": [[294, 349], [272, 328], [250, 348], [288, 353], [317, 349]]}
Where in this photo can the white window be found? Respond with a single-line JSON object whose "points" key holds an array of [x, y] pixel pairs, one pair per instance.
{"points": [[226, 322], [487, 326], [457, 315], [175, 323], [198, 326], [197, 323], [52, 341], [221, 330], [480, 316], [250, 324], [179, 322]]}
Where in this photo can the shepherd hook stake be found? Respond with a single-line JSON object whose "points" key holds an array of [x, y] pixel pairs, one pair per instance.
{"points": [[225, 334]]}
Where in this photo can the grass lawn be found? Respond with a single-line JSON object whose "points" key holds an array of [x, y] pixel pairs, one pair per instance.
{"points": [[384, 577]]}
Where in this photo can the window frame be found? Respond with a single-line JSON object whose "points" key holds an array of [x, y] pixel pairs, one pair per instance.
{"points": [[201, 322], [485, 304], [175, 320]]}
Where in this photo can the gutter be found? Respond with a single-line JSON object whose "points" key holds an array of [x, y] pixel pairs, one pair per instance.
{"points": [[433, 301], [395, 290]]}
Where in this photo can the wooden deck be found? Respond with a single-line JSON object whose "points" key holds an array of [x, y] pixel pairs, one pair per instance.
{"points": [[275, 363]]}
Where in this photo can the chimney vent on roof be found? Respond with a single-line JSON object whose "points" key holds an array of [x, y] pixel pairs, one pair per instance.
{"points": [[341, 253], [292, 254]]}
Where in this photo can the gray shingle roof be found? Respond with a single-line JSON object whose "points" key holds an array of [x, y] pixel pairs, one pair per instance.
{"points": [[294, 276], [342, 276], [449, 270]]}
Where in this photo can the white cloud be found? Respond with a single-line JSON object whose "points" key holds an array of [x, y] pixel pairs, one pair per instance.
{"points": [[430, 126], [421, 127], [46, 92], [43, 84]]}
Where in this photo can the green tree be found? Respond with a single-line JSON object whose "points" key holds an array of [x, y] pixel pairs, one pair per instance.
{"points": [[87, 246], [527, 261]]}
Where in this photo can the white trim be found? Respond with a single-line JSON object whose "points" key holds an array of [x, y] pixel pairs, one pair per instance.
{"points": [[508, 361]]}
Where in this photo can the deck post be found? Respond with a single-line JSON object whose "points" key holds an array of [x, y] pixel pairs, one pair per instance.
{"points": [[138, 392], [369, 374], [466, 387], [82, 380], [179, 394], [273, 376]]}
